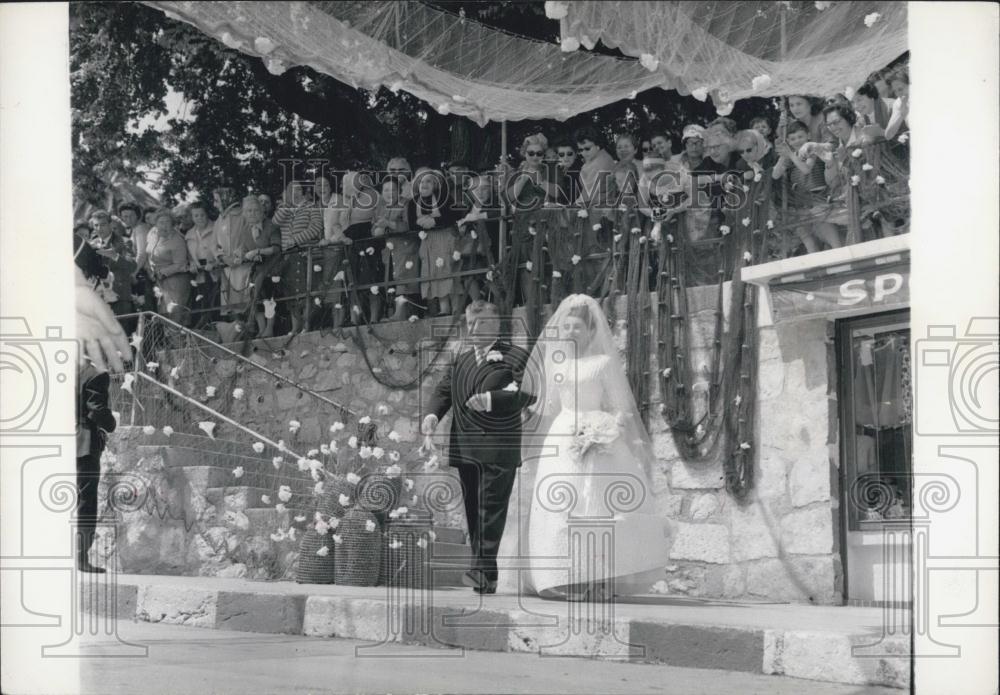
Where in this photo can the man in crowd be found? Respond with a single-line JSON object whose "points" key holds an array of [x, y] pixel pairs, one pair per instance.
{"points": [[131, 216], [693, 138], [119, 258]]}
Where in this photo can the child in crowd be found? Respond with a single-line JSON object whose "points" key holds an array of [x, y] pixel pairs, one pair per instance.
{"points": [[805, 207], [301, 223], [762, 126], [474, 238], [402, 246], [432, 214]]}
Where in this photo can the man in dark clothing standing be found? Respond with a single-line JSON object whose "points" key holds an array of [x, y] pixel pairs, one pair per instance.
{"points": [[94, 420]]}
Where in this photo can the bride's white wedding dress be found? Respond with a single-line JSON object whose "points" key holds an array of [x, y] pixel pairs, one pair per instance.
{"points": [[578, 520]]}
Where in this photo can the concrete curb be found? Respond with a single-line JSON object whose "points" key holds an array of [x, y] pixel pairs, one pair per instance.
{"points": [[410, 617]]}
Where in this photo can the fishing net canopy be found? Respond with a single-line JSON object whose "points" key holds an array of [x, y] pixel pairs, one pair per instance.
{"points": [[726, 50]]}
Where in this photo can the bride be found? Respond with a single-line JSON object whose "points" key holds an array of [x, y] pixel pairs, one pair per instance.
{"points": [[582, 521]]}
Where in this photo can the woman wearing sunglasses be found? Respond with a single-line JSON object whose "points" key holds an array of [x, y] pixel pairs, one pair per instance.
{"points": [[531, 185]]}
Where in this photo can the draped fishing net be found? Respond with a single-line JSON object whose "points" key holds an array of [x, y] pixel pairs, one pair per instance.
{"points": [[733, 50], [730, 50]]}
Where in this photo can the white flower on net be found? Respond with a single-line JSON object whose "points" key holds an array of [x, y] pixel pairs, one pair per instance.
{"points": [[822, 5], [238, 472], [556, 274], [381, 409], [597, 227], [903, 138], [339, 277], [408, 484], [575, 259], [336, 427], [294, 426], [353, 478], [670, 238], [738, 399], [316, 475], [157, 292], [528, 265], [439, 262], [207, 427], [649, 61], [476, 236], [867, 167], [432, 463], [344, 500], [746, 189], [365, 420], [284, 493], [175, 373], [422, 543], [300, 518], [532, 231], [168, 430], [489, 276], [855, 180], [332, 446], [724, 109], [317, 301], [278, 537], [724, 229], [152, 366], [744, 445], [393, 471], [433, 536], [210, 391], [394, 456], [324, 551], [365, 452], [412, 319], [266, 499], [312, 453], [275, 278], [315, 465], [280, 507], [633, 94], [398, 512], [377, 453], [395, 87], [369, 526], [393, 436], [582, 213], [769, 224], [761, 82], [880, 180], [395, 544], [747, 257], [302, 464], [408, 265], [199, 297], [757, 177], [334, 522], [556, 10], [857, 152], [258, 447], [642, 239], [135, 341], [870, 19], [569, 44], [667, 372], [238, 393], [456, 255], [275, 66], [317, 268], [318, 488], [338, 305], [148, 430], [618, 237], [701, 94], [264, 45], [745, 221], [422, 234], [444, 109]]}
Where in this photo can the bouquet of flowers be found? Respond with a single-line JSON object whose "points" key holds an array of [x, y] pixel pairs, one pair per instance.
{"points": [[594, 428]]}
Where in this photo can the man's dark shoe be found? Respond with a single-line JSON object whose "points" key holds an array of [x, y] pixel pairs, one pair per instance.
{"points": [[489, 588], [85, 566], [474, 578]]}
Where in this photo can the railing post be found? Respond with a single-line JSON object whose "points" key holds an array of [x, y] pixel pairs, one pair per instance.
{"points": [[307, 311], [137, 365]]}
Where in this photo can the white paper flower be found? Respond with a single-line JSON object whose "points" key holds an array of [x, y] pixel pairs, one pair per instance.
{"points": [[769, 224], [569, 44], [208, 428], [266, 499], [494, 356], [353, 478], [369, 526], [284, 493], [582, 213], [649, 61], [667, 372], [152, 366], [870, 19], [280, 507], [724, 229], [761, 82], [344, 500], [556, 274], [528, 266], [857, 152], [258, 447], [317, 301], [210, 391], [278, 537], [489, 276], [744, 445], [855, 180], [880, 180], [903, 138], [393, 436], [395, 544], [408, 484], [294, 426], [148, 429], [157, 292], [456, 256], [377, 453], [746, 221], [168, 430], [365, 452], [324, 551], [747, 257], [724, 109], [337, 426], [318, 488], [412, 319], [820, 5], [315, 465], [512, 386], [422, 543], [393, 455], [282, 446], [597, 227], [439, 262], [422, 234], [432, 463], [532, 231], [701, 94], [408, 265], [238, 472], [867, 167], [556, 10], [393, 471]]}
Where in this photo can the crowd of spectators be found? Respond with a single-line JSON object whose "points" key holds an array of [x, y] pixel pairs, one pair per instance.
{"points": [[419, 242]]}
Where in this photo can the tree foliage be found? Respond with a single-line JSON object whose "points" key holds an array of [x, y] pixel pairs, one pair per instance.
{"points": [[241, 120]]}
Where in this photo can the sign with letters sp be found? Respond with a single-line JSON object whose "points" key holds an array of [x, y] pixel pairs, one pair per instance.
{"points": [[870, 289]]}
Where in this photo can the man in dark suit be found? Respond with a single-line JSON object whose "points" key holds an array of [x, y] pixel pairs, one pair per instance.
{"points": [[94, 421], [481, 388]]}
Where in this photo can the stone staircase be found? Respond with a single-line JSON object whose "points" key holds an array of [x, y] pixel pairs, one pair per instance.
{"points": [[182, 511]]}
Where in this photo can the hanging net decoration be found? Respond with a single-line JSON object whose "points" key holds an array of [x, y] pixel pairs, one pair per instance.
{"points": [[733, 50], [462, 67]]}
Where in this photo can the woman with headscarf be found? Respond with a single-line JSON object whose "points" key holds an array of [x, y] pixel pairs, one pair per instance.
{"points": [[166, 249], [301, 224], [232, 238], [348, 220], [265, 255], [431, 213]]}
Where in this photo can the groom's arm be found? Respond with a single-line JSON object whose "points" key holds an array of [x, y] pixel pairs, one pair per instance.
{"points": [[440, 400], [507, 402]]}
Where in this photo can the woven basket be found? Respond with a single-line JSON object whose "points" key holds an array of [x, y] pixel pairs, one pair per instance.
{"points": [[313, 568], [328, 501], [408, 564], [379, 494], [360, 552]]}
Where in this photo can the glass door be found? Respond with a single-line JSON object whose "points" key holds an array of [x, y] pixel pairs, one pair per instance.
{"points": [[877, 443]]}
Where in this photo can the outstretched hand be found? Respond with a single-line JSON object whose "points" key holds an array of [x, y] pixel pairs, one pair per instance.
{"points": [[101, 337], [480, 402]]}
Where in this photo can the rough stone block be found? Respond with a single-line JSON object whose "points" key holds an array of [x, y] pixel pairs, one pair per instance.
{"points": [[703, 507], [823, 656], [808, 531], [570, 637], [351, 618], [271, 613], [702, 542], [696, 476], [811, 579], [176, 605], [755, 533], [809, 478], [697, 646]]}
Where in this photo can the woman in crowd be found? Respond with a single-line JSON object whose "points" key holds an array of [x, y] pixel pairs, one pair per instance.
{"points": [[756, 152], [166, 249], [431, 213], [232, 241], [566, 183], [402, 246], [662, 146], [131, 217], [266, 243], [119, 258], [204, 264], [693, 138], [809, 111], [899, 80], [473, 243], [301, 223], [627, 170], [596, 174], [348, 219], [870, 107], [529, 188], [85, 257], [267, 204]]}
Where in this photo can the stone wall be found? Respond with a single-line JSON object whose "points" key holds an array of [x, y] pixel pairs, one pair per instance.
{"points": [[780, 544]]}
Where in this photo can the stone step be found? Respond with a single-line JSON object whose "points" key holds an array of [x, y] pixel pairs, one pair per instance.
{"points": [[833, 644]]}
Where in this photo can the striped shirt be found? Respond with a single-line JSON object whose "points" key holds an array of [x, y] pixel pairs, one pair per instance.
{"points": [[299, 225]]}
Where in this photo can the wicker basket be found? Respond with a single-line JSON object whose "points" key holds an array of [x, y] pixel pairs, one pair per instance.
{"points": [[408, 564], [328, 501], [360, 552], [379, 494], [313, 568]]}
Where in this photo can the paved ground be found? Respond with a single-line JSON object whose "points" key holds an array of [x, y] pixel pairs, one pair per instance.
{"points": [[191, 660]]}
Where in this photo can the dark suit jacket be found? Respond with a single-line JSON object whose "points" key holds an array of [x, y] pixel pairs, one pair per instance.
{"points": [[93, 413], [488, 437]]}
